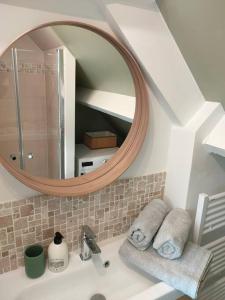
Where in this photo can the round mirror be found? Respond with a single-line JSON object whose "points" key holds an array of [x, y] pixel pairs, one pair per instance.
{"points": [[72, 106]]}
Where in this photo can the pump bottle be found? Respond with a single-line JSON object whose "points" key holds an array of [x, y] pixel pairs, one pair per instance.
{"points": [[58, 255]]}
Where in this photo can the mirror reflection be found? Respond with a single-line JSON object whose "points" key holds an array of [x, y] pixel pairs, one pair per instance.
{"points": [[67, 102]]}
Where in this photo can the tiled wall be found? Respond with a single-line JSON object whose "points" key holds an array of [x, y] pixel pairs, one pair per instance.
{"points": [[109, 212]]}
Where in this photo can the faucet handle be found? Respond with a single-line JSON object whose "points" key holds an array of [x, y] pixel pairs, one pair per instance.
{"points": [[87, 231]]}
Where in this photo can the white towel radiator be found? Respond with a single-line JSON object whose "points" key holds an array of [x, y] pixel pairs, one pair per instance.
{"points": [[209, 232]]}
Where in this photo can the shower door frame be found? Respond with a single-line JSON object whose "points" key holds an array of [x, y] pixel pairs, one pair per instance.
{"points": [[14, 52], [63, 166]]}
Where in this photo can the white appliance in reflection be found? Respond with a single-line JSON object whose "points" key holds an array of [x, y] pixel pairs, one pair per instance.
{"points": [[87, 160]]}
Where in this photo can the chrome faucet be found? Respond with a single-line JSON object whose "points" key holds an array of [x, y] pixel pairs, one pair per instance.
{"points": [[88, 243]]}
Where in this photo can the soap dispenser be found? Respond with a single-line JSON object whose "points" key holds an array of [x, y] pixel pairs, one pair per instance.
{"points": [[58, 254]]}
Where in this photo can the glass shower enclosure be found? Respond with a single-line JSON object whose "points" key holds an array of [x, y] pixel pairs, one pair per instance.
{"points": [[43, 114]]}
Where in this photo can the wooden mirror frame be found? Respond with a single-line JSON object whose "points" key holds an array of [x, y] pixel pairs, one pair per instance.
{"points": [[126, 154]]}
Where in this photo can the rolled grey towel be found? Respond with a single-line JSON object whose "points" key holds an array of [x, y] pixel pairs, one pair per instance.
{"points": [[147, 223], [173, 234], [184, 274]]}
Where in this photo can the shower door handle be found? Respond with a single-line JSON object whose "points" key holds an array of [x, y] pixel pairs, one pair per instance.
{"points": [[30, 155], [13, 157]]}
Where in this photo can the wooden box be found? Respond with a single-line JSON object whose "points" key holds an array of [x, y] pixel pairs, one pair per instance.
{"points": [[100, 139]]}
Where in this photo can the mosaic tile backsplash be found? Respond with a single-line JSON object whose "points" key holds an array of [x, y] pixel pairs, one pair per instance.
{"points": [[109, 212]]}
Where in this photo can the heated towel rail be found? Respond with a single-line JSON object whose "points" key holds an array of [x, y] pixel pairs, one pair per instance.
{"points": [[209, 232]]}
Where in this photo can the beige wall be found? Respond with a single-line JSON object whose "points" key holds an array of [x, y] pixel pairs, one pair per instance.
{"points": [[199, 29]]}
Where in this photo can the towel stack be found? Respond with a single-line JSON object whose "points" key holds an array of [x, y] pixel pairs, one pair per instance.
{"points": [[168, 256]]}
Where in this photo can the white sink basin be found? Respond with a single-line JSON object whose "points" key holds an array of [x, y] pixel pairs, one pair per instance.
{"points": [[81, 280]]}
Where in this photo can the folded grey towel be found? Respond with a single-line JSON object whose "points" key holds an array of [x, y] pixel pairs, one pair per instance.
{"points": [[173, 234], [184, 274], [147, 223]]}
